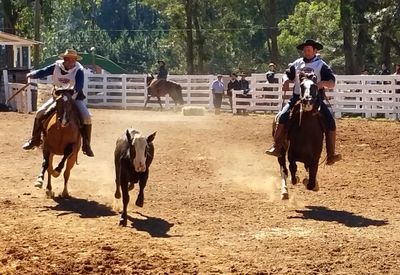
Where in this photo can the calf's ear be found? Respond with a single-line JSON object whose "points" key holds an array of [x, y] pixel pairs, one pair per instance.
{"points": [[151, 137]]}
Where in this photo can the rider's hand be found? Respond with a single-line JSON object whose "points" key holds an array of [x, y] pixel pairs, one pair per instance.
{"points": [[28, 75]]}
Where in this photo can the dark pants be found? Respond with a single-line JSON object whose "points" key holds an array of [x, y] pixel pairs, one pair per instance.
{"points": [[284, 115], [217, 100]]}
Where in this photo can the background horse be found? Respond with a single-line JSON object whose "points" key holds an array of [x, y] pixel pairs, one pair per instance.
{"points": [[61, 137], [161, 87], [305, 136]]}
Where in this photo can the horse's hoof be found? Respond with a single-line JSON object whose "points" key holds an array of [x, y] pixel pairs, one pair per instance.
{"points": [[55, 173], [117, 194], [316, 187], [131, 186], [295, 180], [139, 202], [65, 195], [284, 196], [39, 183], [123, 222], [305, 182], [49, 194]]}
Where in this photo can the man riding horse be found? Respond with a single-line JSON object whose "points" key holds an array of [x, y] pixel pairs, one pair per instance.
{"points": [[67, 74], [325, 79]]}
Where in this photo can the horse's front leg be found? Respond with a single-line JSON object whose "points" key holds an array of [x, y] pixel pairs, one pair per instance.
{"points": [[312, 183], [159, 102], [284, 175], [142, 184], [70, 164], [293, 170], [67, 152], [49, 192], [45, 165], [147, 100]]}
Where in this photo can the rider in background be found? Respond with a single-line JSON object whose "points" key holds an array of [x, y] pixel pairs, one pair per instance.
{"points": [[326, 79], [162, 70], [67, 74]]}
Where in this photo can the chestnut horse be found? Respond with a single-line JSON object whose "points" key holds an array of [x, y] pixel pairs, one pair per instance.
{"points": [[161, 87], [305, 136], [61, 136]]}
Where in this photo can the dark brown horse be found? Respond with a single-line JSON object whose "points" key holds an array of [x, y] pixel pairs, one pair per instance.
{"points": [[161, 87], [61, 136], [305, 136]]}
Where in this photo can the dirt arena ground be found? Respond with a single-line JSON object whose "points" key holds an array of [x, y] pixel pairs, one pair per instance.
{"points": [[212, 204]]}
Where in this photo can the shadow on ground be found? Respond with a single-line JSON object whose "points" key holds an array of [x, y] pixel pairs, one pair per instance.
{"points": [[156, 227], [83, 207], [349, 219]]}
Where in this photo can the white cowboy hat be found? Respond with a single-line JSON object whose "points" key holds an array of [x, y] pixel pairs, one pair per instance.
{"points": [[70, 53]]}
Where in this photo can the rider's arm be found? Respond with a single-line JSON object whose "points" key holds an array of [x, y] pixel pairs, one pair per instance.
{"points": [[79, 79], [46, 71], [327, 78], [290, 73]]}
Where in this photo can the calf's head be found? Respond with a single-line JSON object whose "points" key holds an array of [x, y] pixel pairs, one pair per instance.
{"points": [[139, 149]]}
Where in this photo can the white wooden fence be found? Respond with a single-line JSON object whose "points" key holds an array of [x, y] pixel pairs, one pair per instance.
{"points": [[363, 95]]}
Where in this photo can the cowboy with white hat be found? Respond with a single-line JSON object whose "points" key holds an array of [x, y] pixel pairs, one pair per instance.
{"points": [[67, 74], [325, 80]]}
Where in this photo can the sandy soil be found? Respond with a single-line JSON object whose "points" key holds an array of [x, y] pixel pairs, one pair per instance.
{"points": [[212, 204]]}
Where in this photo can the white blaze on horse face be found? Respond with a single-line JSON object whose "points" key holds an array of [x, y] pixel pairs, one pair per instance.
{"points": [[140, 145], [306, 95]]}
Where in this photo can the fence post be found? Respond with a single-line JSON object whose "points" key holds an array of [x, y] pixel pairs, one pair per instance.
{"points": [[123, 80]]}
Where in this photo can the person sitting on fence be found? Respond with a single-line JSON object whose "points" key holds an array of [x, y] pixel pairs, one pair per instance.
{"points": [[232, 85], [67, 74], [244, 85], [397, 72], [217, 89], [270, 75], [326, 79]]}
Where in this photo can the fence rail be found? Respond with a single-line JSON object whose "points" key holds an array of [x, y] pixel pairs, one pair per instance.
{"points": [[364, 95]]}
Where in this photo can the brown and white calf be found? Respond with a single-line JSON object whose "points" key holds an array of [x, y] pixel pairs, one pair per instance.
{"points": [[132, 158]]}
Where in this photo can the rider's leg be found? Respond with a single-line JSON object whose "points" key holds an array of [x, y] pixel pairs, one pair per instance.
{"points": [[280, 132], [86, 130], [330, 135], [38, 125]]}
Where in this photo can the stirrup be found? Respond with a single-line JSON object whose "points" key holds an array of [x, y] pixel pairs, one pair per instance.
{"points": [[273, 151], [30, 144], [87, 151]]}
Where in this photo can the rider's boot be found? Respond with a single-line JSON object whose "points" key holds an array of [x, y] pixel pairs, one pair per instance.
{"points": [[36, 135], [86, 132], [279, 139], [330, 148]]}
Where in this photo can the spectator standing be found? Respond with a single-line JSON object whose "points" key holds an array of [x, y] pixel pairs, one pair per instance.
{"points": [[217, 89]]}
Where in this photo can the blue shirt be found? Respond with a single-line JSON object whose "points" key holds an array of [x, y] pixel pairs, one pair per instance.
{"points": [[217, 87]]}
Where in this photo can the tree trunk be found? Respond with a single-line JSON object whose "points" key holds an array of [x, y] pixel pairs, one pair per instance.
{"points": [[199, 40], [348, 49], [36, 48], [273, 31], [385, 42], [189, 37]]}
